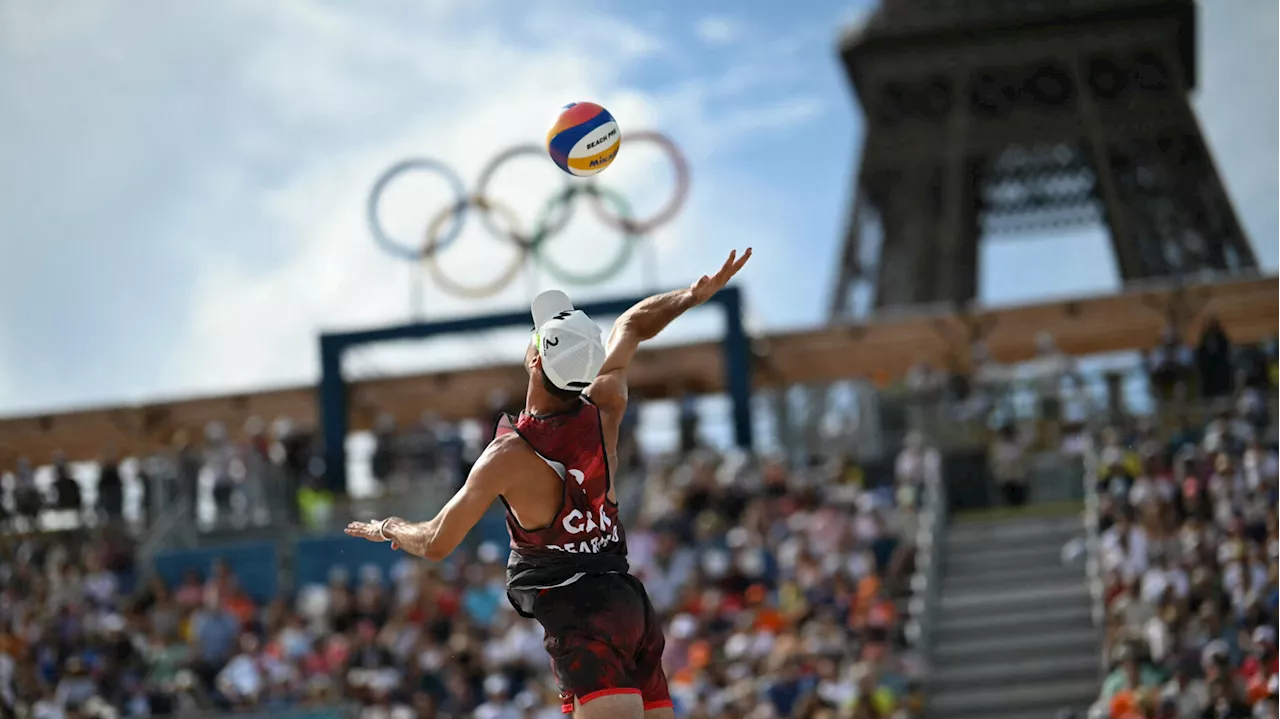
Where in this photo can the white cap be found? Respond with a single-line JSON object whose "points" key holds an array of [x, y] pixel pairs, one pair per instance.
{"points": [[567, 340]]}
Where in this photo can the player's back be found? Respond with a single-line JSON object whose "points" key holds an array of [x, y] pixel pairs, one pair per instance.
{"points": [[585, 536]]}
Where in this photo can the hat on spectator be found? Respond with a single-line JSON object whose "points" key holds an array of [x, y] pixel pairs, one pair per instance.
{"points": [[1265, 634]]}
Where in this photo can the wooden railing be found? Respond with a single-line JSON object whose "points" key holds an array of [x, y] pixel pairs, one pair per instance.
{"points": [[880, 349]]}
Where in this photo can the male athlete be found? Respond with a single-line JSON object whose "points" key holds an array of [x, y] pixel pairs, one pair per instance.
{"points": [[551, 467]]}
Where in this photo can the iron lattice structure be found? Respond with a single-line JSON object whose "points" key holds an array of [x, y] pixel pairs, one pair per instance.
{"points": [[990, 116]]}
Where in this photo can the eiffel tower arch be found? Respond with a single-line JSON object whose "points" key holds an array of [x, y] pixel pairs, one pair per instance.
{"points": [[986, 117]]}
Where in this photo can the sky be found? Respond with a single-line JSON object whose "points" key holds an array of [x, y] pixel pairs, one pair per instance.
{"points": [[182, 185]]}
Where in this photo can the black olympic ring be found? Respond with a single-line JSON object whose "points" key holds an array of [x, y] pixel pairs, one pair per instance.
{"points": [[501, 221]]}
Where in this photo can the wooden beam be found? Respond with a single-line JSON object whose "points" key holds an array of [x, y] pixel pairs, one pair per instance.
{"points": [[879, 349]]}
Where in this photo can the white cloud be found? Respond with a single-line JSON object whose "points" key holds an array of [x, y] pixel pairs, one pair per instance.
{"points": [[718, 30], [197, 179], [250, 327]]}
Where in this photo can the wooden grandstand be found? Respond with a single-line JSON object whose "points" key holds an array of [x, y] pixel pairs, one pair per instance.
{"points": [[880, 349]]}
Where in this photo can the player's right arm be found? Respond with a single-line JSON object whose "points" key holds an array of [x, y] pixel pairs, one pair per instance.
{"points": [[643, 322]]}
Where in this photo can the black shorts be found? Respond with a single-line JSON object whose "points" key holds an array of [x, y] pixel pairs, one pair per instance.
{"points": [[604, 638]]}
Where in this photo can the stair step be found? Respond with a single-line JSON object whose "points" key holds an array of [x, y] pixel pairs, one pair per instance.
{"points": [[1008, 673], [1033, 574], [1067, 616], [979, 600], [1083, 641], [961, 546], [996, 555], [986, 703], [1015, 526]]}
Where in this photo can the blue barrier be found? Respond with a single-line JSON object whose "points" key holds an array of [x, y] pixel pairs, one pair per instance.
{"points": [[255, 564], [315, 557]]}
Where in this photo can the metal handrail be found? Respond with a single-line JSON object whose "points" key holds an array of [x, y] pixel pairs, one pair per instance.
{"points": [[177, 520], [1093, 562], [926, 580]]}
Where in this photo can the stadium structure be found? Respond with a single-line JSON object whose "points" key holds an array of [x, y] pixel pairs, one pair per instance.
{"points": [[969, 456]]}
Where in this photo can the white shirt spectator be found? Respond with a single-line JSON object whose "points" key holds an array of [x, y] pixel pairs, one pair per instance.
{"points": [[1131, 563], [1233, 581], [47, 709], [241, 677], [915, 463], [101, 586], [1259, 466], [1159, 638], [1156, 581], [1191, 699]]}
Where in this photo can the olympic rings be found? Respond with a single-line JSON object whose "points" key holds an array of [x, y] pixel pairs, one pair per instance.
{"points": [[621, 208], [668, 211], [502, 222], [418, 163], [431, 244], [550, 228]]}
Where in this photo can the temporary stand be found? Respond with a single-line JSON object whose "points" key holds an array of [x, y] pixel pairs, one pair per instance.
{"points": [[333, 387]]}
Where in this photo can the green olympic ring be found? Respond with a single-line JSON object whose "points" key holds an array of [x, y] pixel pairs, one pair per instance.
{"points": [[621, 208]]}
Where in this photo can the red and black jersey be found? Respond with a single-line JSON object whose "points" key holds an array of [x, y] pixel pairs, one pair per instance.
{"points": [[586, 536]]}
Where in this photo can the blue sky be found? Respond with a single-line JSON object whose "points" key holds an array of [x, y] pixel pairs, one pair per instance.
{"points": [[182, 185]]}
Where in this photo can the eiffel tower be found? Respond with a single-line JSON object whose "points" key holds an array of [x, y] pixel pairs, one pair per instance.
{"points": [[987, 117]]}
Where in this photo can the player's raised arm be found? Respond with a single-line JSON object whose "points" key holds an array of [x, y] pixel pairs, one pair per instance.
{"points": [[645, 320], [436, 538]]}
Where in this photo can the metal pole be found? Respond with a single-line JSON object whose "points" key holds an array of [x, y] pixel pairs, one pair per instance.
{"points": [[333, 414], [737, 367]]}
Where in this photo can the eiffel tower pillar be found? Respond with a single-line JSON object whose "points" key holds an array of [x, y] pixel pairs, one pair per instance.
{"points": [[990, 117]]}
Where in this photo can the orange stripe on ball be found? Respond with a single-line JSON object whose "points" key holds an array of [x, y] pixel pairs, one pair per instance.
{"points": [[573, 117], [598, 161]]}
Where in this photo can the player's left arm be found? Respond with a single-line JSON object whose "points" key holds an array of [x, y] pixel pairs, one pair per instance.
{"points": [[436, 538]]}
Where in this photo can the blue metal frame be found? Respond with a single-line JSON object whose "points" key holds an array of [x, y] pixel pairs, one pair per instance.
{"points": [[333, 387]]}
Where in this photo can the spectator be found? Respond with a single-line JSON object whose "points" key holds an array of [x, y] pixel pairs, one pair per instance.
{"points": [[688, 421], [915, 463], [110, 490], [1190, 570], [66, 490], [1009, 465], [1213, 361], [26, 497], [220, 460], [1188, 693], [1169, 364], [382, 465], [1047, 371], [215, 631], [776, 585]]}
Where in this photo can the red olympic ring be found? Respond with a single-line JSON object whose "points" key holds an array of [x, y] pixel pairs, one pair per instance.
{"points": [[669, 210]]}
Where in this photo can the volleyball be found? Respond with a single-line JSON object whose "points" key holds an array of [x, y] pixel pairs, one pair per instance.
{"points": [[584, 139]]}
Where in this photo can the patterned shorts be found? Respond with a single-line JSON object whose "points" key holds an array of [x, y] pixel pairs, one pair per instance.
{"points": [[604, 638]]}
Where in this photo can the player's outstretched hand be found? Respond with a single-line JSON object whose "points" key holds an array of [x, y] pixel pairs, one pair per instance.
{"points": [[371, 531], [706, 287]]}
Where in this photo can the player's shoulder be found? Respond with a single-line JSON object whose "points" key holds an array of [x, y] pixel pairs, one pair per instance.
{"points": [[608, 393], [508, 447], [505, 458]]}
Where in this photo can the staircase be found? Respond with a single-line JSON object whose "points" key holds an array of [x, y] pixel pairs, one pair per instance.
{"points": [[1013, 638]]}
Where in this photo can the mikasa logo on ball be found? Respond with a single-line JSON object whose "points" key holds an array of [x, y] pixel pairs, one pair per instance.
{"points": [[602, 161]]}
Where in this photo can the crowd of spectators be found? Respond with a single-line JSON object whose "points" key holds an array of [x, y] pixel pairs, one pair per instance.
{"points": [[780, 589], [1188, 554]]}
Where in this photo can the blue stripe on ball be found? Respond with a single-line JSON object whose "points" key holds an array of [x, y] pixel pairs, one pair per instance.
{"points": [[561, 145], [560, 158]]}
